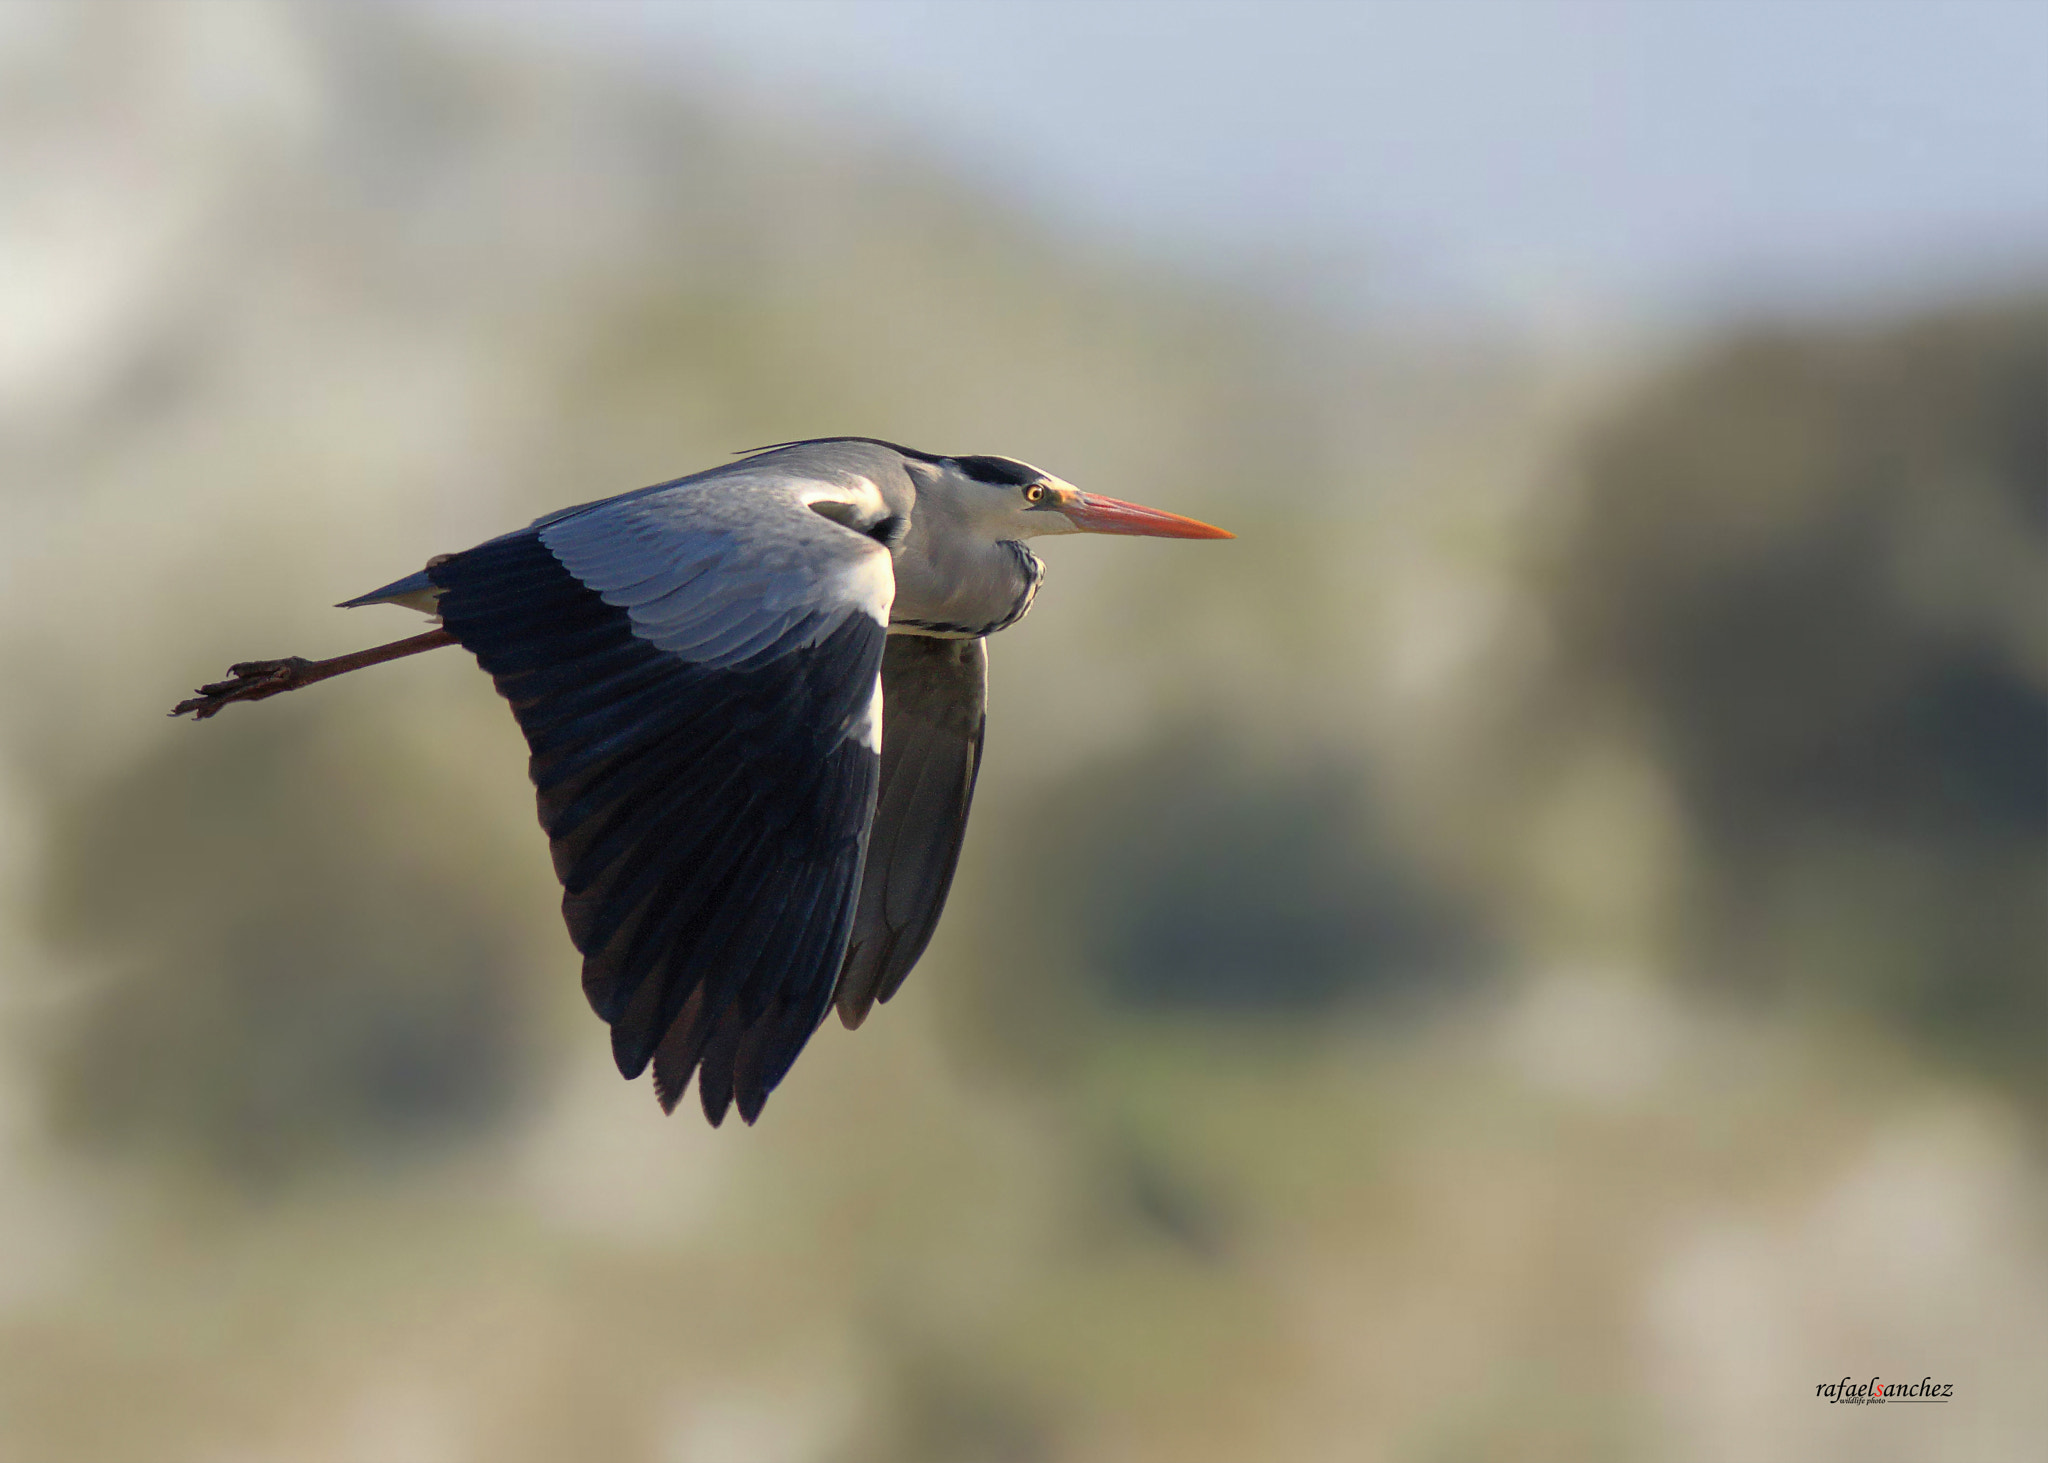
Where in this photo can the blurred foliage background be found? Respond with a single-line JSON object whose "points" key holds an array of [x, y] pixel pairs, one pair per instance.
{"points": [[1537, 951]]}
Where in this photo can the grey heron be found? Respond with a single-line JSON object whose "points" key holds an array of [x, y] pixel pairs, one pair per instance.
{"points": [[754, 698]]}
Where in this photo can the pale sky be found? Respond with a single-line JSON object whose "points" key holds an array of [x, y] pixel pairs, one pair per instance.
{"points": [[1447, 157]]}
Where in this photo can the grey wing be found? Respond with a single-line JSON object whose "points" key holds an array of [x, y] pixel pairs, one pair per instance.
{"points": [[934, 700], [697, 674]]}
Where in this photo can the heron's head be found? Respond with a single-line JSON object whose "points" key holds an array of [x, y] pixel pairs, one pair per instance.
{"points": [[1012, 499]]}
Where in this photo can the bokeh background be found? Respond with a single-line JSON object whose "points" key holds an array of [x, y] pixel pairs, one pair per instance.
{"points": [[1535, 952]]}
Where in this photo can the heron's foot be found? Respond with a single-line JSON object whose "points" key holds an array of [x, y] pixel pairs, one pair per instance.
{"points": [[249, 680]]}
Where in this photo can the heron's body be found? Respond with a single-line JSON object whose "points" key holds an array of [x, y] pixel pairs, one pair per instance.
{"points": [[754, 699]]}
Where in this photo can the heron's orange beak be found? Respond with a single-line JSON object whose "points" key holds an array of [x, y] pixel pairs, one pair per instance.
{"points": [[1093, 514]]}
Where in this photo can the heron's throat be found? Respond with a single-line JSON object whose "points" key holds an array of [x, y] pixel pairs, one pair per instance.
{"points": [[966, 601], [1031, 572]]}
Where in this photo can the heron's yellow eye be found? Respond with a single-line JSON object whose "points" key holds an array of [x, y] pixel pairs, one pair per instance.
{"points": [[1035, 493]]}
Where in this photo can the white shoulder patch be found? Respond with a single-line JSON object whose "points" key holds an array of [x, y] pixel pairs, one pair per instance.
{"points": [[869, 731], [870, 582]]}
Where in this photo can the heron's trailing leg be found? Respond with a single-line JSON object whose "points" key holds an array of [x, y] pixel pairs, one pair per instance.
{"points": [[252, 680]]}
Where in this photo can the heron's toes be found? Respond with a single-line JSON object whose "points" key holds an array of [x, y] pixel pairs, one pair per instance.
{"points": [[248, 680], [263, 670]]}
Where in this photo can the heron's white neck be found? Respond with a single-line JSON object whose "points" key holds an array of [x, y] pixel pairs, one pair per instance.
{"points": [[961, 585]]}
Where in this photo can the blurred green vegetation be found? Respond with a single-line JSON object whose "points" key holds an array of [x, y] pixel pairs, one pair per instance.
{"points": [[289, 967], [1814, 563], [1186, 874]]}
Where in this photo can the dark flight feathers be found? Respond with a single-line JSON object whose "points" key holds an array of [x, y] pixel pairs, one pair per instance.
{"points": [[709, 826], [934, 699]]}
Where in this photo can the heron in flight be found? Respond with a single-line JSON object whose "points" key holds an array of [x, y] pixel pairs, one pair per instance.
{"points": [[754, 698]]}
